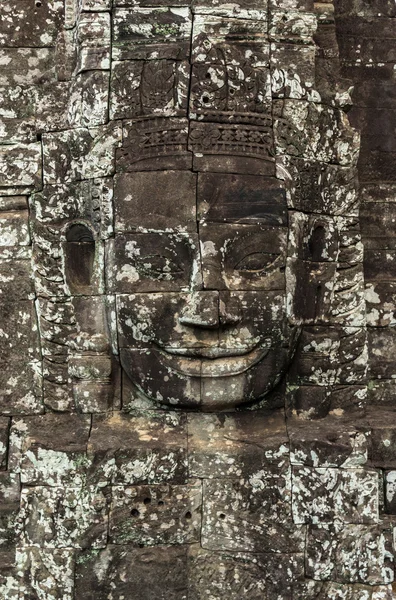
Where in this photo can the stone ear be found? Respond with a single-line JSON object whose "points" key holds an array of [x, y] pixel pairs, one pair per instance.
{"points": [[78, 232], [79, 253], [316, 242]]}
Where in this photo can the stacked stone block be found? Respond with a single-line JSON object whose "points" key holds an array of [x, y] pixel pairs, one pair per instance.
{"points": [[106, 493]]}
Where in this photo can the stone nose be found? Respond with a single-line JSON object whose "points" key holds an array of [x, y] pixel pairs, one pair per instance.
{"points": [[202, 310], [206, 309]]}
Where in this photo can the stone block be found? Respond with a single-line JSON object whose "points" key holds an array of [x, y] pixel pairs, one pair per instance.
{"points": [[156, 515], [322, 495], [317, 401], [149, 88], [44, 570], [17, 114], [94, 41], [252, 515], [96, 5], [240, 199], [88, 102], [50, 449], [63, 517], [390, 491], [293, 71], [381, 348], [21, 387], [244, 9], [19, 331], [20, 165], [137, 573], [154, 144], [379, 264], [382, 436], [376, 219], [166, 201], [299, 130], [16, 280], [236, 445], [292, 26], [230, 259], [236, 574], [40, 24], [151, 33], [17, 66], [229, 77], [136, 450], [370, 33], [333, 442], [77, 324], [233, 147], [9, 508], [313, 186], [377, 8], [381, 393], [315, 590], [303, 5], [380, 299], [13, 202], [151, 262], [222, 33], [78, 154], [332, 355], [350, 553]]}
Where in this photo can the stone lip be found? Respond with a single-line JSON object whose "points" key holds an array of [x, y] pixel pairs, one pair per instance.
{"points": [[219, 366]]}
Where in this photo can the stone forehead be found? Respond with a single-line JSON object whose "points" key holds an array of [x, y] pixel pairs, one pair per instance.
{"points": [[177, 199]]}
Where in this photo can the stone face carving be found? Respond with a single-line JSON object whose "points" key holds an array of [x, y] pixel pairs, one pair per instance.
{"points": [[201, 306], [214, 216], [197, 318]]}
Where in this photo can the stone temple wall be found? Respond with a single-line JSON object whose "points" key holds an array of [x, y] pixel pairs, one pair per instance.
{"points": [[198, 300]]}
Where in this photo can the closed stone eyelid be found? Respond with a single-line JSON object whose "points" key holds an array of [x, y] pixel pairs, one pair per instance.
{"points": [[271, 259]]}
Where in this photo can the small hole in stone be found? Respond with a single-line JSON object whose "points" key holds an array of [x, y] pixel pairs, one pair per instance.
{"points": [[38, 3], [205, 99], [232, 92], [147, 501], [222, 516], [188, 515], [135, 512], [208, 76], [161, 503]]}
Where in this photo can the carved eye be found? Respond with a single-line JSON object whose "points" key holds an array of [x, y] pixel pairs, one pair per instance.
{"points": [[158, 266], [256, 262]]}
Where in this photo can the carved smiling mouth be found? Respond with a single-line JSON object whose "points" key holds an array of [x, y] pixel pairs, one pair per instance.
{"points": [[211, 362]]}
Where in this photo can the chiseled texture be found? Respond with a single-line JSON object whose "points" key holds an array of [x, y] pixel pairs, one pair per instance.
{"points": [[197, 300]]}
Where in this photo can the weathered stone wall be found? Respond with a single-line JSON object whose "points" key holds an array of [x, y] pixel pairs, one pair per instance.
{"points": [[133, 129]]}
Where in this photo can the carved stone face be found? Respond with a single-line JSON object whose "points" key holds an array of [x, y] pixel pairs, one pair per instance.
{"points": [[198, 267]]}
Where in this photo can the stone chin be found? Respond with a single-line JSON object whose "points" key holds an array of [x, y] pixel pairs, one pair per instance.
{"points": [[207, 379]]}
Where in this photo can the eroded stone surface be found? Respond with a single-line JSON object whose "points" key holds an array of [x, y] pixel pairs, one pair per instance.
{"points": [[160, 514], [132, 449], [197, 334]]}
